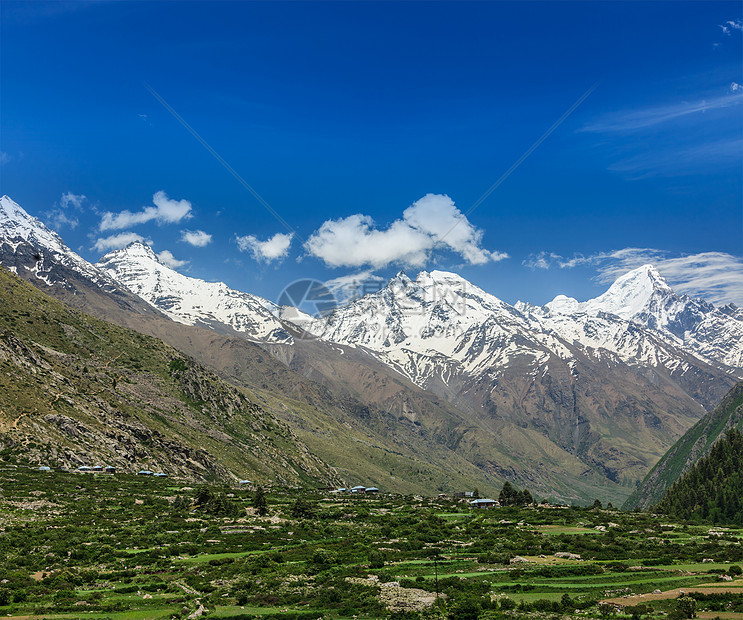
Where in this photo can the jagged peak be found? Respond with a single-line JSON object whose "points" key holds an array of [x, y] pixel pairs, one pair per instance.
{"points": [[631, 292], [135, 250], [12, 211]]}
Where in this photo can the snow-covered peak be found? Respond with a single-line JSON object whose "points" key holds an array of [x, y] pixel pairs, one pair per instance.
{"points": [[190, 300], [18, 228], [16, 224], [562, 304], [631, 293], [136, 250]]}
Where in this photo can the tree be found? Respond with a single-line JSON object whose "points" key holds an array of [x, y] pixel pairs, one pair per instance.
{"points": [[507, 494], [259, 501], [476, 493], [597, 504], [686, 606], [302, 509], [566, 602]]}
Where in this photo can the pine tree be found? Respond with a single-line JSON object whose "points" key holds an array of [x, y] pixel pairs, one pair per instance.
{"points": [[259, 501]]}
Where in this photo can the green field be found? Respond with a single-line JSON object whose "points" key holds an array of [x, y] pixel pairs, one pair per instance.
{"points": [[133, 548]]}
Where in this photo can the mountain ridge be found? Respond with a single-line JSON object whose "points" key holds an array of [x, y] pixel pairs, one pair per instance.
{"points": [[435, 359]]}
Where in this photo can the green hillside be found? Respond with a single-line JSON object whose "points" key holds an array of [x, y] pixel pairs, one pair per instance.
{"points": [[712, 490], [694, 445], [75, 390]]}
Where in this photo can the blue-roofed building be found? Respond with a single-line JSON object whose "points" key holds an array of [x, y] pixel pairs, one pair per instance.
{"points": [[483, 503]]}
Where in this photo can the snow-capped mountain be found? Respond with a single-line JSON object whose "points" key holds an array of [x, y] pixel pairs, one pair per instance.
{"points": [[27, 244], [440, 321], [192, 301], [643, 297], [584, 379], [599, 388]]}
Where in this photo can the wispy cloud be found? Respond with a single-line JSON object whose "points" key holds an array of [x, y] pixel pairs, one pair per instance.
{"points": [[433, 222], [352, 286], [648, 117], [4, 158], [275, 248], [72, 201], [164, 211], [683, 161], [118, 241], [731, 25], [60, 215], [714, 276], [166, 258], [541, 260], [197, 238]]}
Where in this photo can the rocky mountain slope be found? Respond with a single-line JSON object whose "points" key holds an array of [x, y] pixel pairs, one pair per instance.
{"points": [[429, 384], [190, 300], [364, 418], [643, 297], [80, 391], [693, 446], [603, 388]]}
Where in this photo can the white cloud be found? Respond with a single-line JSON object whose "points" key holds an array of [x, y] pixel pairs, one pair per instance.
{"points": [[730, 25], [166, 258], [275, 248], [196, 237], [431, 222], [165, 211], [116, 242], [735, 87], [4, 158], [714, 276]]}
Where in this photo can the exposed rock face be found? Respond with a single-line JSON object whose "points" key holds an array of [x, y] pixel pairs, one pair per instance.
{"points": [[567, 399]]}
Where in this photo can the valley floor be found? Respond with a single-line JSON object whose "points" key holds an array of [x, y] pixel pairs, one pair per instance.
{"points": [[83, 545]]}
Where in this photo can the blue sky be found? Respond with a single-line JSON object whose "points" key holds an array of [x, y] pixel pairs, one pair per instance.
{"points": [[371, 128]]}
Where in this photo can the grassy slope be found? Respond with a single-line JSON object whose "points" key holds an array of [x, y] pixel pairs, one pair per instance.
{"points": [[695, 444], [77, 390]]}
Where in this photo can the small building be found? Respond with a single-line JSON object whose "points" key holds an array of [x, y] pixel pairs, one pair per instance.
{"points": [[245, 482], [160, 474], [84, 468], [144, 472], [45, 468], [464, 494], [358, 489], [340, 490], [372, 490], [110, 469], [483, 503], [97, 468]]}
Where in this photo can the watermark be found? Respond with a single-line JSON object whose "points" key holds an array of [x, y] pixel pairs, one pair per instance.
{"points": [[383, 312]]}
